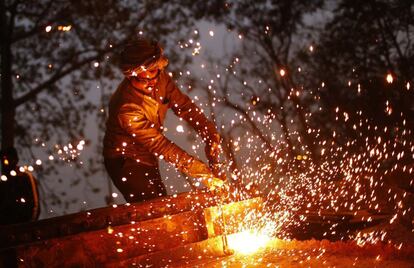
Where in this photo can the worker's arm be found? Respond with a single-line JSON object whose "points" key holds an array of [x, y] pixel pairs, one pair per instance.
{"points": [[183, 107], [132, 119]]}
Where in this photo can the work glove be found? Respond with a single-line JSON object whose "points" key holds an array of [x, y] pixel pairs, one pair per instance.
{"points": [[214, 184], [198, 169]]}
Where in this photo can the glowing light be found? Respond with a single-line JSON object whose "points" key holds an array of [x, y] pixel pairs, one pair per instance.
{"points": [[196, 49], [211, 33], [282, 72], [48, 28], [64, 28], [389, 78], [38, 162], [247, 242], [180, 128], [3, 178]]}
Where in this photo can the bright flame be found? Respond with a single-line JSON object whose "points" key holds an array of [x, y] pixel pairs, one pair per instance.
{"points": [[247, 242]]}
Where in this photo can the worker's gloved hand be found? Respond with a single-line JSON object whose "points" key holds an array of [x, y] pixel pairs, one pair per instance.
{"points": [[221, 190], [213, 149], [213, 184], [198, 169]]}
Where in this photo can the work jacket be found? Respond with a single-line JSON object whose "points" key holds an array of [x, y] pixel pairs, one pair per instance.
{"points": [[135, 125]]}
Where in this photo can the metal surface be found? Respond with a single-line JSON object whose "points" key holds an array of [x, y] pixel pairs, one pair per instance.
{"points": [[165, 230]]}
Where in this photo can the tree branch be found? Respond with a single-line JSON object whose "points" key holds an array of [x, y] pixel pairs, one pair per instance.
{"points": [[56, 77]]}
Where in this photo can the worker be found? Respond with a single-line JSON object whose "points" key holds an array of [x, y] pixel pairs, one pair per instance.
{"points": [[134, 139], [19, 200]]}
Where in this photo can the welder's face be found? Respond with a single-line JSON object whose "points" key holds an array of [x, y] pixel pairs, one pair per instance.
{"points": [[148, 78]]}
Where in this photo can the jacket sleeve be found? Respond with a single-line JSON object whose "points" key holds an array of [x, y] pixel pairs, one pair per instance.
{"points": [[133, 120], [185, 108]]}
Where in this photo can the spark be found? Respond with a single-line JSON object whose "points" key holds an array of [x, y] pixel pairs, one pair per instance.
{"points": [[389, 78], [347, 176], [64, 28], [69, 152], [247, 242], [179, 129]]}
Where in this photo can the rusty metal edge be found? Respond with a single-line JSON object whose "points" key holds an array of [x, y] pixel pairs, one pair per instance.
{"points": [[96, 219]]}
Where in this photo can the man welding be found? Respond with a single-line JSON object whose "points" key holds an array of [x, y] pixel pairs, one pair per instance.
{"points": [[134, 139]]}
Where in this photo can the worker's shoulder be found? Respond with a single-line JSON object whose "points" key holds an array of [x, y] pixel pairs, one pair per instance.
{"points": [[125, 93]]}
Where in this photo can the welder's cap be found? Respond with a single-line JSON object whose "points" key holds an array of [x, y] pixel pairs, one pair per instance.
{"points": [[140, 55]]}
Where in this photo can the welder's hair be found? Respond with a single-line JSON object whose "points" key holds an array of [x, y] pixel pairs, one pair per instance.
{"points": [[140, 55]]}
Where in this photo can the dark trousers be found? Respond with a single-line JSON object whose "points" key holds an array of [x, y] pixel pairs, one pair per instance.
{"points": [[136, 182]]}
